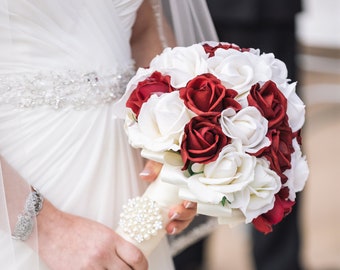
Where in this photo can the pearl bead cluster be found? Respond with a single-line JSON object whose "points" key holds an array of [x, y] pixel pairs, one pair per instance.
{"points": [[141, 219], [59, 89]]}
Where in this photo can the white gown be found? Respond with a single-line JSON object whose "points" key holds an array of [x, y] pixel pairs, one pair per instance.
{"points": [[63, 65]]}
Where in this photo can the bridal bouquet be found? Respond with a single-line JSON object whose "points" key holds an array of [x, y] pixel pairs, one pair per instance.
{"points": [[225, 122]]}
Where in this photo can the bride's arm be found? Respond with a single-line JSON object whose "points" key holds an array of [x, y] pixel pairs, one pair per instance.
{"points": [[67, 241], [146, 36], [79, 243]]}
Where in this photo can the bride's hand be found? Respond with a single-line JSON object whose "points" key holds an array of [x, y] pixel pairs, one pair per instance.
{"points": [[180, 215], [71, 242]]}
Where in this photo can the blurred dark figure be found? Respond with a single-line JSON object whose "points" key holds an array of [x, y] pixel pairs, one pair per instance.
{"points": [[192, 256], [265, 24], [269, 25]]}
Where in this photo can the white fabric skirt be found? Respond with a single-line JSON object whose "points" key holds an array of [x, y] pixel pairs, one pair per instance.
{"points": [[80, 160]]}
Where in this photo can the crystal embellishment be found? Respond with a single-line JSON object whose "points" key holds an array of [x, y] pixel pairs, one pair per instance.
{"points": [[63, 89], [141, 219], [25, 223]]}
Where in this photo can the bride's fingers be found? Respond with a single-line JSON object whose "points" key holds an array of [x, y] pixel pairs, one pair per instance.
{"points": [[180, 217], [150, 171], [132, 256], [189, 205], [117, 264], [177, 227], [183, 212]]}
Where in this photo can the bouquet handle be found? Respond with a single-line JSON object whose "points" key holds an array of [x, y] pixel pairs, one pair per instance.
{"points": [[144, 218]]}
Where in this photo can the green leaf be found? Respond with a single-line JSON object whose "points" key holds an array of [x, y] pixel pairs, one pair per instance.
{"points": [[225, 200], [191, 172]]}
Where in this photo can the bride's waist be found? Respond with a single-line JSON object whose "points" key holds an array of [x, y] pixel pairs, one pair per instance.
{"points": [[66, 88]]}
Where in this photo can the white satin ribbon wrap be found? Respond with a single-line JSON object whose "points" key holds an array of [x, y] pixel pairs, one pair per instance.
{"points": [[165, 195], [173, 174]]}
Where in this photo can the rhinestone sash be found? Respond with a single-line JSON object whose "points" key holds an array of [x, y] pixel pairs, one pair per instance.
{"points": [[63, 89]]}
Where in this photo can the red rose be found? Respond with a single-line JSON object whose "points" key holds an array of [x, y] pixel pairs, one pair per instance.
{"points": [[269, 100], [282, 207], [226, 46], [155, 84], [280, 151], [205, 94], [203, 140], [273, 105], [297, 135]]}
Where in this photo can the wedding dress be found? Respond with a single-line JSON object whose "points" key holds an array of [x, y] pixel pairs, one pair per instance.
{"points": [[63, 65]]}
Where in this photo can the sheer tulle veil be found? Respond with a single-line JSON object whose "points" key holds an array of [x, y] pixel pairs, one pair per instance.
{"points": [[10, 207], [17, 193], [190, 20]]}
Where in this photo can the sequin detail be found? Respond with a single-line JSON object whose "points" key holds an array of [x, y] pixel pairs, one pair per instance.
{"points": [[63, 89]]}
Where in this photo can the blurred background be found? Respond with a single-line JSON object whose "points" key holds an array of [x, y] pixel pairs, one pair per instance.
{"points": [[319, 66]]}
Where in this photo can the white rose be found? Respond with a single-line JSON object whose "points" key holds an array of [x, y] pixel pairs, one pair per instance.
{"points": [[279, 70], [298, 173], [254, 51], [182, 63], [202, 192], [160, 124], [248, 125], [212, 43], [295, 107], [239, 70], [259, 196], [232, 171]]}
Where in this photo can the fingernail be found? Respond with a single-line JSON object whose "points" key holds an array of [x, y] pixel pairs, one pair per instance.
{"points": [[174, 230], [174, 216], [145, 172], [189, 205]]}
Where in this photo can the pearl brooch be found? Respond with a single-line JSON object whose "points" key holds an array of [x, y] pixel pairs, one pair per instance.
{"points": [[141, 219]]}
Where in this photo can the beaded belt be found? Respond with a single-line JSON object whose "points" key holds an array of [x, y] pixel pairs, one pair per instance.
{"points": [[62, 89]]}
